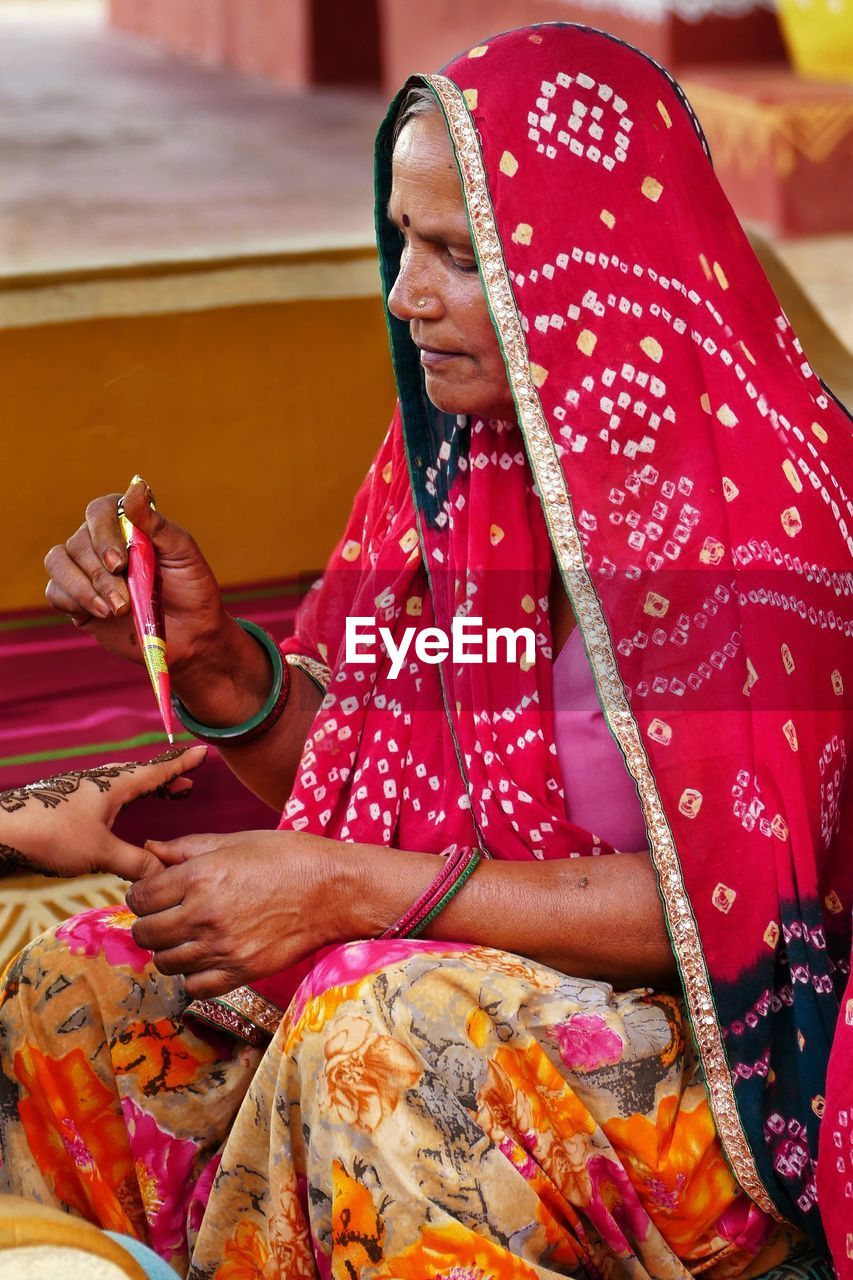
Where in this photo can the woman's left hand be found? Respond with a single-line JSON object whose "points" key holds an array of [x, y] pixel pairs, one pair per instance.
{"points": [[234, 908]]}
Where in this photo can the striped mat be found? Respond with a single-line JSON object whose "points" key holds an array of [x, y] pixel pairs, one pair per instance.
{"points": [[66, 704]]}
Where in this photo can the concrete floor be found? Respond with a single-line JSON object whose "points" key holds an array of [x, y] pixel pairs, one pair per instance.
{"points": [[112, 151], [115, 153]]}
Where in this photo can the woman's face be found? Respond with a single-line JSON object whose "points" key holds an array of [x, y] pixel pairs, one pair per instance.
{"points": [[460, 355]]}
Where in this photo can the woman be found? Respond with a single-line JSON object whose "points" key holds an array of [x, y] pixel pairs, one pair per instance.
{"points": [[590, 367]]}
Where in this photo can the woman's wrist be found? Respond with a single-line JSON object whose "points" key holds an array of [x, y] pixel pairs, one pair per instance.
{"points": [[265, 719], [373, 886], [227, 680]]}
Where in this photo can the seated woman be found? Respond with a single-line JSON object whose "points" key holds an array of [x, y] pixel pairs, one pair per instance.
{"points": [[585, 1062]]}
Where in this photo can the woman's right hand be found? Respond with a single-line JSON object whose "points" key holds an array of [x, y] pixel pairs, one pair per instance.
{"points": [[87, 580]]}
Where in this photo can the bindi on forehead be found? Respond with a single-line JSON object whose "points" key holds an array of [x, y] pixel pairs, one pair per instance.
{"points": [[407, 222]]}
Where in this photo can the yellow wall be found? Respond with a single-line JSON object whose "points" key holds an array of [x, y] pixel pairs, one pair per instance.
{"points": [[253, 425]]}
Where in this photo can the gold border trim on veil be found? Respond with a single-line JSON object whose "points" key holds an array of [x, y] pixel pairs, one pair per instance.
{"points": [[316, 671], [559, 517]]}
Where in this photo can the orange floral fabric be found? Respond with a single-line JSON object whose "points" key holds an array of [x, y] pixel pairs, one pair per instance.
{"points": [[77, 1135], [441, 1112], [464, 1114]]}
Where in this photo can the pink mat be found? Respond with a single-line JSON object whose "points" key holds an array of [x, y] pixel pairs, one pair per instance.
{"points": [[68, 705]]}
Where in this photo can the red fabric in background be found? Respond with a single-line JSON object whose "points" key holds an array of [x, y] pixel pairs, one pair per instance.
{"points": [[68, 702]]}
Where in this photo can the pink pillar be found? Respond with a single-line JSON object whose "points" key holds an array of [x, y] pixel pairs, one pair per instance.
{"points": [[270, 38], [423, 36], [295, 42], [195, 28]]}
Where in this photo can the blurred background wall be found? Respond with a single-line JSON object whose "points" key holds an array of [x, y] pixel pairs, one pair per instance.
{"points": [[188, 284]]}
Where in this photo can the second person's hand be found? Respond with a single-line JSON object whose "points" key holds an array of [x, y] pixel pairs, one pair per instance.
{"points": [[62, 826]]}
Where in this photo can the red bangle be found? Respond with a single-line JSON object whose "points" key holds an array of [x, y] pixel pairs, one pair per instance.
{"points": [[456, 868]]}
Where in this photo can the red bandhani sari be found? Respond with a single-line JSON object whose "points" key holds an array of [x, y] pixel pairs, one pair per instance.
{"points": [[693, 477]]}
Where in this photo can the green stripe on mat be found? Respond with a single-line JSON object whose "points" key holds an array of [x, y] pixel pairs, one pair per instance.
{"points": [[269, 593], [18, 624], [105, 749]]}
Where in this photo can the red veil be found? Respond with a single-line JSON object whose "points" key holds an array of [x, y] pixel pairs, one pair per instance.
{"points": [[693, 478]]}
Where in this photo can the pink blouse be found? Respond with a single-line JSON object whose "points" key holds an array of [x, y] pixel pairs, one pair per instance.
{"points": [[600, 793]]}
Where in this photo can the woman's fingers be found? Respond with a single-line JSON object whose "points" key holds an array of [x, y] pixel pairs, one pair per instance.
{"points": [[210, 982], [164, 931], [69, 590], [157, 892], [175, 547], [172, 852], [104, 532], [111, 587], [191, 958]]}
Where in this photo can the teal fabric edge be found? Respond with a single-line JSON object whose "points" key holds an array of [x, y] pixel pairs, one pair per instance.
{"points": [[150, 1262], [805, 1266]]}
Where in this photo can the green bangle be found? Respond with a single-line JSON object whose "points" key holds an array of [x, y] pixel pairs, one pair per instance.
{"points": [[263, 719], [442, 903]]}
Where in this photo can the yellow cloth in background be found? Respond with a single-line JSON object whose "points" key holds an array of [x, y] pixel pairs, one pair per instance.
{"points": [[819, 36]]}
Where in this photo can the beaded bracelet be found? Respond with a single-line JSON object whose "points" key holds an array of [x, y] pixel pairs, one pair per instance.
{"points": [[263, 720], [455, 870]]}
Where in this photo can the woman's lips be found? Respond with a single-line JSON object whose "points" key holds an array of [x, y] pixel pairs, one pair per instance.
{"points": [[432, 359]]}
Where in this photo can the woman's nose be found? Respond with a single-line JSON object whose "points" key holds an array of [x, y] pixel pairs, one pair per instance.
{"points": [[411, 298]]}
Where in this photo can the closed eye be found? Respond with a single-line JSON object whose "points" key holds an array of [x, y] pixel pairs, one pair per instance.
{"points": [[464, 265], [467, 268]]}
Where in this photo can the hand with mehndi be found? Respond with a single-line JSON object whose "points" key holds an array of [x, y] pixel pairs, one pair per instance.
{"points": [[62, 826]]}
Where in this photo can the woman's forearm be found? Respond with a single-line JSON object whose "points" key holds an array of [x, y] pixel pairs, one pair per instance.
{"points": [[590, 917], [230, 686], [268, 765]]}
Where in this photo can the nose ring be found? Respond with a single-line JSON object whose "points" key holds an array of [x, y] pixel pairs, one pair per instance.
{"points": [[421, 303]]}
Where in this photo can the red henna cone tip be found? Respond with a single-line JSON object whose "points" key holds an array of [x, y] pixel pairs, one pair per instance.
{"points": [[163, 690]]}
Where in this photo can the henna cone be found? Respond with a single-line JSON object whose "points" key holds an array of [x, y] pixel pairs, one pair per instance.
{"points": [[143, 580]]}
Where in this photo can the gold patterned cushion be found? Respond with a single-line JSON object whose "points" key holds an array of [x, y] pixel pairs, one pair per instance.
{"points": [[29, 904]]}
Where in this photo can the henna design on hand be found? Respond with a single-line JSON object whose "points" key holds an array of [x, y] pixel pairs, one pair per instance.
{"points": [[10, 858], [54, 791], [51, 792], [12, 861]]}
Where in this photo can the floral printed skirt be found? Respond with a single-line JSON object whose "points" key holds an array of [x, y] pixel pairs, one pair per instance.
{"points": [[425, 1110]]}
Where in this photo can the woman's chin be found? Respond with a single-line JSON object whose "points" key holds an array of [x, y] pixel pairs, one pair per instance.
{"points": [[457, 400]]}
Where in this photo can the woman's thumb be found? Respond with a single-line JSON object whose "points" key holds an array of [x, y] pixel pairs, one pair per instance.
{"points": [[138, 506]]}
